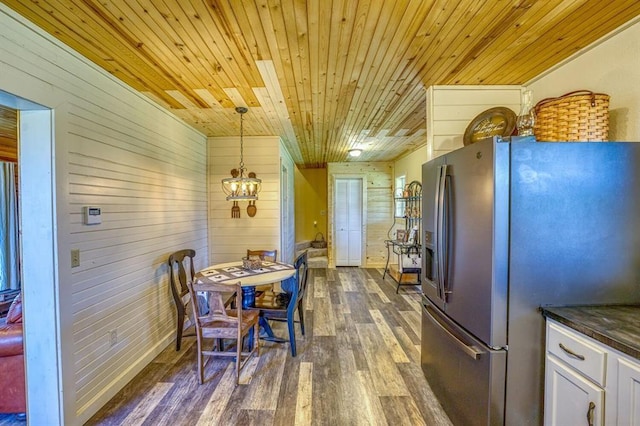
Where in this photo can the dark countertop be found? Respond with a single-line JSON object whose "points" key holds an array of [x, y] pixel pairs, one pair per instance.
{"points": [[617, 326]]}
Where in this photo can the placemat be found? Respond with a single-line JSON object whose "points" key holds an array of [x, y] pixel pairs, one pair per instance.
{"points": [[233, 273]]}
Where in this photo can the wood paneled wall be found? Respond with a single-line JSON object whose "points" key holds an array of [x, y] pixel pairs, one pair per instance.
{"points": [[146, 169], [378, 179], [450, 109]]}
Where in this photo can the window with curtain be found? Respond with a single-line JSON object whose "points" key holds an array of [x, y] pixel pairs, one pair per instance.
{"points": [[9, 258]]}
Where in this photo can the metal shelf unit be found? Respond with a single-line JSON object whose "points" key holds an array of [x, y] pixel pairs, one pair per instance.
{"points": [[410, 204]]}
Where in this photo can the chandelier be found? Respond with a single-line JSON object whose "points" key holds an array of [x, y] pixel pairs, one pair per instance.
{"points": [[241, 186]]}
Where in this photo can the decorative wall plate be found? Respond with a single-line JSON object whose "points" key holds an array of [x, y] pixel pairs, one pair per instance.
{"points": [[498, 121]]}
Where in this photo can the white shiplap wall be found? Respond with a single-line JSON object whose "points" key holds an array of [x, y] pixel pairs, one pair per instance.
{"points": [[230, 238], [450, 109], [146, 169]]}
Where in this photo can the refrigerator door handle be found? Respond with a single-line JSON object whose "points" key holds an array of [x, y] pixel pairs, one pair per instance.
{"points": [[439, 225], [444, 235], [468, 348]]}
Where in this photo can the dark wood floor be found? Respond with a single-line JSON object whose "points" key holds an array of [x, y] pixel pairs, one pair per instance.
{"points": [[358, 364]]}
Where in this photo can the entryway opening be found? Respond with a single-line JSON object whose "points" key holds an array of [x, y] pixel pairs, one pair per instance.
{"points": [[38, 259]]}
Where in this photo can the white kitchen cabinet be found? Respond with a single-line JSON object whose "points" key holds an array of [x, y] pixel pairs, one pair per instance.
{"points": [[588, 382], [574, 373], [628, 392], [570, 398]]}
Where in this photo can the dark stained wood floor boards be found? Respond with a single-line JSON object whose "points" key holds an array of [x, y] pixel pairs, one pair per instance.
{"points": [[359, 364]]}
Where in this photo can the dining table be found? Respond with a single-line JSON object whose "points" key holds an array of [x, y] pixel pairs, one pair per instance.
{"points": [[233, 272]]}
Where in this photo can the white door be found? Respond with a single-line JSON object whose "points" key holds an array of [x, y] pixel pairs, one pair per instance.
{"points": [[348, 222]]}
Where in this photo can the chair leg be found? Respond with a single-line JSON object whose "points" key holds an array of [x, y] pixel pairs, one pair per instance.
{"points": [[256, 332], [238, 359], [292, 332], [301, 315], [200, 369], [180, 326]]}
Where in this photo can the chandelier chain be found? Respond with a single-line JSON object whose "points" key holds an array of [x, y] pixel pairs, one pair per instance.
{"points": [[241, 144]]}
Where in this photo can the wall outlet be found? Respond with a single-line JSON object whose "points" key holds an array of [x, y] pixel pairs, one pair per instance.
{"points": [[75, 258], [113, 338]]}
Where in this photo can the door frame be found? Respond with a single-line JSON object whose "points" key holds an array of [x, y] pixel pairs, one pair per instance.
{"points": [[39, 256], [332, 228]]}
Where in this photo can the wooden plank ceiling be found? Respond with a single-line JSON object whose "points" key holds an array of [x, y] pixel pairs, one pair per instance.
{"points": [[326, 75]]}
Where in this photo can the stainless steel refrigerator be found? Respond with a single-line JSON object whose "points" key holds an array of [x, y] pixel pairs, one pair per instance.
{"points": [[509, 226]]}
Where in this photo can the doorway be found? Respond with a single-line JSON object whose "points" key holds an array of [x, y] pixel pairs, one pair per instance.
{"points": [[348, 202], [38, 257]]}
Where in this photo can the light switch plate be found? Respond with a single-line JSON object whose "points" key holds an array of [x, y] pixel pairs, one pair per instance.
{"points": [[75, 258]]}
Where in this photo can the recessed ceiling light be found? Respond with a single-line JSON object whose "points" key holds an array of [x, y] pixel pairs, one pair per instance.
{"points": [[355, 152]]}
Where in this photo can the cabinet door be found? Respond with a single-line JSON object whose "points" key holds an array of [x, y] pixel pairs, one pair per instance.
{"points": [[628, 392], [569, 398]]}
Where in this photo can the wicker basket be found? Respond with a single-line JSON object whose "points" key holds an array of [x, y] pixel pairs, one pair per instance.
{"points": [[576, 116], [319, 241], [251, 263]]}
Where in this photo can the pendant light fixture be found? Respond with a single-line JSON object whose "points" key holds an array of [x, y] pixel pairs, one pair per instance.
{"points": [[241, 186]]}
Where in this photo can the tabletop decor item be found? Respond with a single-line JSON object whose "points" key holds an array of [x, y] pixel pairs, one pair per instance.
{"points": [[251, 262], [580, 116], [498, 121]]}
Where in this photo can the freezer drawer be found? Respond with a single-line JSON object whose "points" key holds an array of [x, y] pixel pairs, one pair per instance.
{"points": [[467, 377]]}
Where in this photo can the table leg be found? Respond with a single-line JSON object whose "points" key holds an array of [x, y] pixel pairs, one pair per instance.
{"points": [[248, 297], [249, 301]]}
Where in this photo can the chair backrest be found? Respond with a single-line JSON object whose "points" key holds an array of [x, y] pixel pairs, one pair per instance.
{"points": [[268, 255], [217, 309], [181, 272], [302, 267]]}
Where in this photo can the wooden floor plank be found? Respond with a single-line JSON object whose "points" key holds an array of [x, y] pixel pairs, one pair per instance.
{"points": [[304, 401], [328, 407], [374, 412], [414, 319], [324, 318], [319, 287], [425, 400], [219, 399], [401, 410], [265, 386], [390, 341], [383, 370], [147, 405]]}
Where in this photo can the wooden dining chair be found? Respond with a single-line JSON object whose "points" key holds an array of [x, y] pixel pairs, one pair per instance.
{"points": [[264, 255], [283, 306], [181, 272], [267, 255], [221, 323]]}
